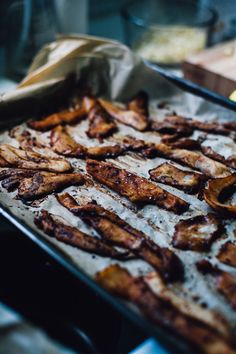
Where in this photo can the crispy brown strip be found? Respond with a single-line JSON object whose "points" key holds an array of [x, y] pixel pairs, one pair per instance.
{"points": [[139, 104], [197, 233], [230, 161], [187, 181], [118, 232], [12, 177], [135, 188], [183, 143], [224, 281], [187, 307], [139, 146], [72, 236], [101, 124], [195, 160], [176, 130], [135, 119], [192, 159], [230, 125], [32, 160], [227, 254], [63, 144], [26, 140], [202, 337], [4, 163], [61, 118], [44, 183], [100, 152], [214, 191], [209, 127]]}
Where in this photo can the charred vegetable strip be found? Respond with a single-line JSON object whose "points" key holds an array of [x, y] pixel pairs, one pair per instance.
{"points": [[176, 130], [101, 152], [44, 183], [183, 143], [197, 233], [32, 160], [230, 161], [11, 178], [63, 144], [134, 118], [187, 307], [118, 232], [227, 254], [224, 281], [135, 188], [169, 174], [189, 158], [61, 118], [209, 127], [73, 237], [195, 160], [101, 124], [201, 336], [213, 192]]}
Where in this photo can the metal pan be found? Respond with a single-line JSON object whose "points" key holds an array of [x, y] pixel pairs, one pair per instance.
{"points": [[170, 341]]}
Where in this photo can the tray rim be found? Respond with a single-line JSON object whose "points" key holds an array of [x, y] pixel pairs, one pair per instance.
{"points": [[170, 341]]}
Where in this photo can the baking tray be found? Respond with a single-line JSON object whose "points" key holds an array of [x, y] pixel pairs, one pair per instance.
{"points": [[193, 88], [169, 341], [165, 338]]}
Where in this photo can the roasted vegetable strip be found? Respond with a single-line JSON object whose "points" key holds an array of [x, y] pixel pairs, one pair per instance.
{"points": [[202, 337], [118, 232], [214, 191], [197, 233], [11, 178], [32, 160], [177, 130], [169, 174], [63, 144], [189, 158], [209, 127], [100, 152], [229, 161], [224, 281], [135, 188], [140, 146], [187, 307], [15, 172], [227, 254], [43, 183], [195, 160], [72, 236], [26, 140], [4, 163], [101, 124], [183, 143], [135, 119], [139, 105], [61, 118]]}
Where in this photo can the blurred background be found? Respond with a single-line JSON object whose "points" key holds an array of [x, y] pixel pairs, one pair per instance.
{"points": [[163, 32]]}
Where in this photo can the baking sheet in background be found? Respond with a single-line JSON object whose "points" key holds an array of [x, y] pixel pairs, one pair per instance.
{"points": [[111, 70]]}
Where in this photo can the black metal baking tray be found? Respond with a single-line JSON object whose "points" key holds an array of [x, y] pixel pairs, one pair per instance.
{"points": [[167, 339], [189, 86]]}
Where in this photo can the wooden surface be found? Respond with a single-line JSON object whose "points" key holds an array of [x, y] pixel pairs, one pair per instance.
{"points": [[214, 68]]}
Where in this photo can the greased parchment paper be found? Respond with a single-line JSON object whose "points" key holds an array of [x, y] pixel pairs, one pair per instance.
{"points": [[111, 70]]}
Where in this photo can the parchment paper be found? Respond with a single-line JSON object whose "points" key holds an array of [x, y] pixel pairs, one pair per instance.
{"points": [[112, 71]]}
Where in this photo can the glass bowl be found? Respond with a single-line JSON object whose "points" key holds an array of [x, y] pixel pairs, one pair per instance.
{"points": [[166, 32]]}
